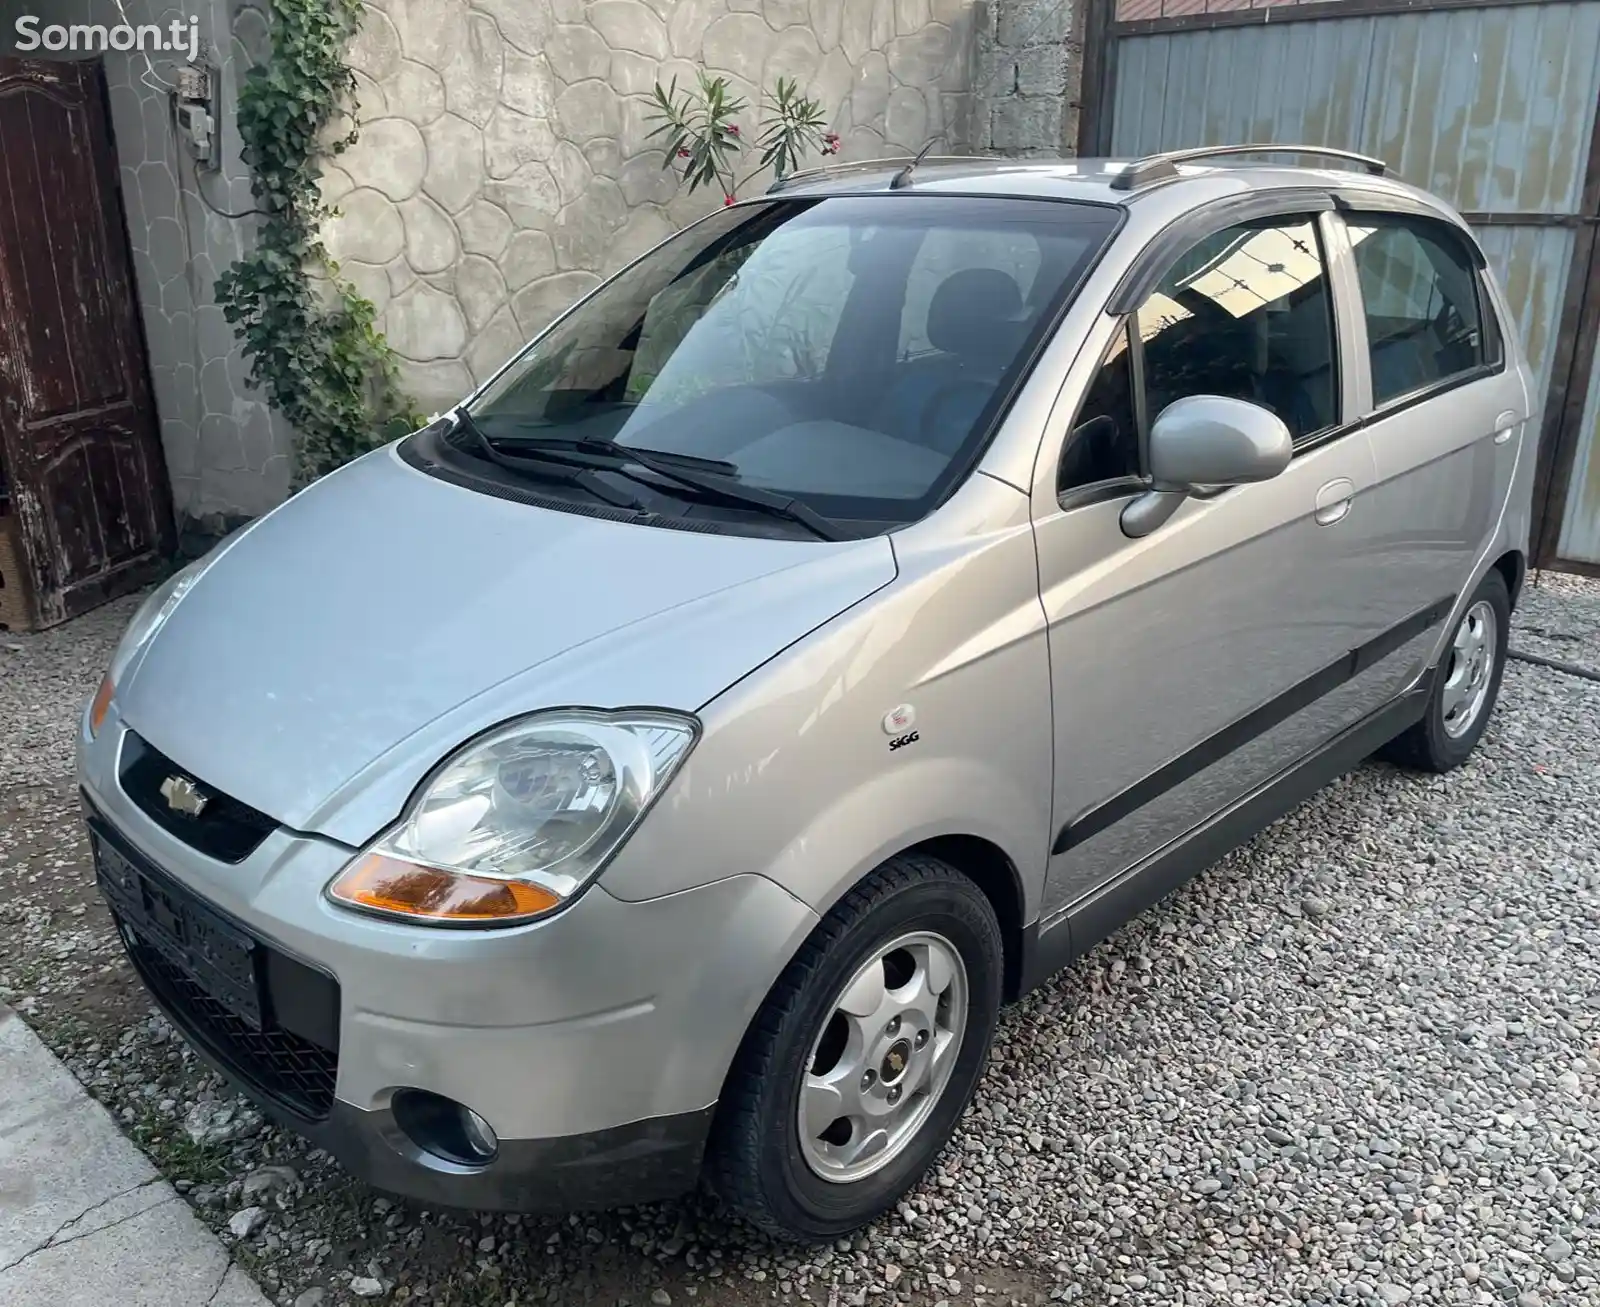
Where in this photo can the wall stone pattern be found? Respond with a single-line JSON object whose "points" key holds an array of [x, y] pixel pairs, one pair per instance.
{"points": [[1029, 70], [227, 453], [504, 168]]}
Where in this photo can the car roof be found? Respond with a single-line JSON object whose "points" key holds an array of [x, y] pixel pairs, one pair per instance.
{"points": [[1096, 181]]}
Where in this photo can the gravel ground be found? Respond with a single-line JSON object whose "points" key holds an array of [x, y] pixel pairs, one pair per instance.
{"points": [[1559, 617], [1357, 1062]]}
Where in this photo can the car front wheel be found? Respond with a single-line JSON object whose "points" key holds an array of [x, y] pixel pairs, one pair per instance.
{"points": [[856, 1070]]}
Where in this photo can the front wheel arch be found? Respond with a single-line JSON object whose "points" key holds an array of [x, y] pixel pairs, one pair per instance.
{"points": [[989, 867], [753, 1158], [982, 862]]}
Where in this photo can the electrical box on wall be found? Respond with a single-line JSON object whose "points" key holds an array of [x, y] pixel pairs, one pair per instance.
{"points": [[194, 105]]}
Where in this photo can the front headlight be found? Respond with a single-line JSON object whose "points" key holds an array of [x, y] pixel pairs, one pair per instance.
{"points": [[147, 620], [520, 820]]}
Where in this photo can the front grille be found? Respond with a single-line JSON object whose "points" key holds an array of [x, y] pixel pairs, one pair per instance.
{"points": [[225, 828], [268, 1019], [292, 1070]]}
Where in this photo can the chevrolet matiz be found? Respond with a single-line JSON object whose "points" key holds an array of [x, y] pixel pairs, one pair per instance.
{"points": [[659, 769]]}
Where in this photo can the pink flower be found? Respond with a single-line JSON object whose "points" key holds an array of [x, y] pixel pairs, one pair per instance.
{"points": [[733, 129], [683, 154], [726, 201]]}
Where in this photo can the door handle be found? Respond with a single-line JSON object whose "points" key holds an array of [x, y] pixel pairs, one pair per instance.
{"points": [[1504, 425], [1334, 499]]}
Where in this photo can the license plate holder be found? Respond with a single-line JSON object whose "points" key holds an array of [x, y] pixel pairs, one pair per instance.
{"points": [[155, 912]]}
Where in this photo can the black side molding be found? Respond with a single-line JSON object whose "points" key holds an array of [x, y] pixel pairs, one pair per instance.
{"points": [[1091, 919], [1256, 722]]}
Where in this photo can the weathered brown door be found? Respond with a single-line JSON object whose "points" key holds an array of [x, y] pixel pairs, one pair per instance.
{"points": [[78, 440]]}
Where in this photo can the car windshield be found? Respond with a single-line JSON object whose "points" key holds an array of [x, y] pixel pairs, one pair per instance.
{"points": [[849, 353]]}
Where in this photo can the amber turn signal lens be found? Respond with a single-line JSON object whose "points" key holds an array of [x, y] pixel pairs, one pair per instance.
{"points": [[101, 705], [408, 890]]}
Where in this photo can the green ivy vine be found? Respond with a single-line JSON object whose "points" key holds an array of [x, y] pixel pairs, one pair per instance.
{"points": [[308, 334]]}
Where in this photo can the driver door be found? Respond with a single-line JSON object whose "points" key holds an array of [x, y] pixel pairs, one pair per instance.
{"points": [[1193, 664]]}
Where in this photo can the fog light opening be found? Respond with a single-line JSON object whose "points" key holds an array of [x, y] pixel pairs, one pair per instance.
{"points": [[445, 1128]]}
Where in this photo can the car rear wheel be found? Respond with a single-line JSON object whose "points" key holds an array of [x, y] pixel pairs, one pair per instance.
{"points": [[1465, 687], [865, 1054]]}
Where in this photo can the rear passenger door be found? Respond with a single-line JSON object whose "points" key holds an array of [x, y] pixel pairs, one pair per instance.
{"points": [[1190, 666], [1444, 413]]}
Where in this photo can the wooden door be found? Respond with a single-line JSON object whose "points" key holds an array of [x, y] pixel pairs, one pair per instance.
{"points": [[83, 469]]}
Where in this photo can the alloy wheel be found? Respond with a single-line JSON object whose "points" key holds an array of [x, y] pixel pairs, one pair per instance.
{"points": [[883, 1058], [1471, 669]]}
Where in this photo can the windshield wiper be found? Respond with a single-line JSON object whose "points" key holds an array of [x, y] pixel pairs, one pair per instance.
{"points": [[607, 445], [577, 474], [738, 494], [709, 476]]}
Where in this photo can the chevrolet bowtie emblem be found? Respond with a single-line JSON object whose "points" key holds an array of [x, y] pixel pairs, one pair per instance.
{"points": [[183, 795]]}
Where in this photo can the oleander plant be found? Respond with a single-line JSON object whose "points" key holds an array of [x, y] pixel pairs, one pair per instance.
{"points": [[705, 145]]}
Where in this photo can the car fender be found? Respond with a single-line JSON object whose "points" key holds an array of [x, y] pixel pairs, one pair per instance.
{"points": [[922, 712], [845, 842]]}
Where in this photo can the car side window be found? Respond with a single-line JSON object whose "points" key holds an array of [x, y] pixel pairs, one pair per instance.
{"points": [[1246, 313], [1103, 444], [1420, 293]]}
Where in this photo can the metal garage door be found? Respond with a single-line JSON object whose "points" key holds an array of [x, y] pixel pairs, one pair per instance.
{"points": [[1492, 106]]}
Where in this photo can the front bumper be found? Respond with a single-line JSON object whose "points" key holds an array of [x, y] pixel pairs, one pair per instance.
{"points": [[639, 1163], [593, 1043], [642, 1162]]}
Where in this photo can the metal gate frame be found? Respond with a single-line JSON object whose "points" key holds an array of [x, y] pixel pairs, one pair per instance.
{"points": [[1573, 357]]}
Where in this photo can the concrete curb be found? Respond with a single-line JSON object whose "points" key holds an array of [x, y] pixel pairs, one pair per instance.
{"points": [[85, 1219]]}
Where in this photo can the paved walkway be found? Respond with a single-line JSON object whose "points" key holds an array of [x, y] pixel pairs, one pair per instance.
{"points": [[85, 1220]]}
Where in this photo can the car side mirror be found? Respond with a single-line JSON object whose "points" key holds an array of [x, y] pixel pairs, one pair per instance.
{"points": [[1206, 440]]}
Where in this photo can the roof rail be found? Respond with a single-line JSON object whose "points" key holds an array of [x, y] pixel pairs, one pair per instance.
{"points": [[1159, 167], [864, 165]]}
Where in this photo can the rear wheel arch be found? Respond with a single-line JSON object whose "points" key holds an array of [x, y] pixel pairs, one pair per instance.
{"points": [[1513, 565], [1465, 682]]}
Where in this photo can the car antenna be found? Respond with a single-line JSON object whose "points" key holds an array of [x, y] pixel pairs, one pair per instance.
{"points": [[902, 178]]}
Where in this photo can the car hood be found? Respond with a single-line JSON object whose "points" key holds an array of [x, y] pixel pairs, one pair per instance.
{"points": [[339, 647]]}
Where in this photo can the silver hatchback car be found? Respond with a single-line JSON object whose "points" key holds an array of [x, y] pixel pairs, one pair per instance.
{"points": [[663, 767]]}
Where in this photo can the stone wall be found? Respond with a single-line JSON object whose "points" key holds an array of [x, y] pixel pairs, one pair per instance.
{"points": [[503, 169], [503, 166], [1028, 75]]}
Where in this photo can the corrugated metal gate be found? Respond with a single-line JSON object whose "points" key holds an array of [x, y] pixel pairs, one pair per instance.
{"points": [[1491, 105]]}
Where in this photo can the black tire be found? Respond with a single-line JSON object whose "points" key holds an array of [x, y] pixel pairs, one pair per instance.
{"points": [[754, 1160], [1428, 746]]}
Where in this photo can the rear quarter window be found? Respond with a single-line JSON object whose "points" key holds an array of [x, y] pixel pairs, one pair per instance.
{"points": [[1423, 302]]}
